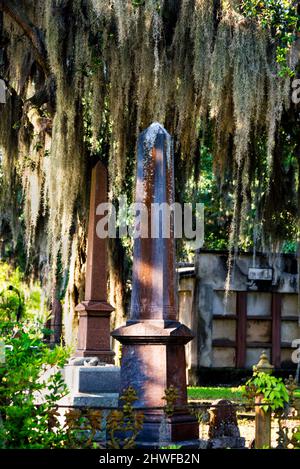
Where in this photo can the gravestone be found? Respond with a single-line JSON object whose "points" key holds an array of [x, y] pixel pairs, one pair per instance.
{"points": [[153, 341], [94, 311], [91, 375], [223, 426]]}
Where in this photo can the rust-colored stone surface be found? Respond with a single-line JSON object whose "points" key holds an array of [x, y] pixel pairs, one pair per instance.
{"points": [[153, 352], [94, 312], [153, 282], [96, 266]]}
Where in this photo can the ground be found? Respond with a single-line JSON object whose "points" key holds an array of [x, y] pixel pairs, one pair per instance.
{"points": [[245, 418]]}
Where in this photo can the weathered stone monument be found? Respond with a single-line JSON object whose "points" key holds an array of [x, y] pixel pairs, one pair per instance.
{"points": [[223, 426], [91, 375], [95, 311], [153, 351]]}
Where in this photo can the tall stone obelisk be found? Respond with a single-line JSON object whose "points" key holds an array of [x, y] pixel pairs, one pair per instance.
{"points": [[94, 311], [153, 351]]}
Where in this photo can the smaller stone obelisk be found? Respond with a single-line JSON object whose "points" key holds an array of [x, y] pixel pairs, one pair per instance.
{"points": [[94, 311]]}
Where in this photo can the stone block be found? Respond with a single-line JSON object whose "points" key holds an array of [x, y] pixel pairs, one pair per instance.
{"points": [[109, 400], [99, 379], [92, 379], [226, 442]]}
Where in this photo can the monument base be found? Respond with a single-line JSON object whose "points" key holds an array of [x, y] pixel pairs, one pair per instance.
{"points": [[91, 387], [93, 400], [157, 428], [226, 442], [94, 331], [85, 400], [153, 359], [97, 379], [182, 444]]}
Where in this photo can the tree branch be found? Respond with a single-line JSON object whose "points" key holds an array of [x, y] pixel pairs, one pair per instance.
{"points": [[17, 13]]}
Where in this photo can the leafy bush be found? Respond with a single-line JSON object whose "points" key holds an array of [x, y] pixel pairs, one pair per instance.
{"points": [[274, 391], [23, 380]]}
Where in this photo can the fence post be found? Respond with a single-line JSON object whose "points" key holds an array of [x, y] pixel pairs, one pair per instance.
{"points": [[262, 418]]}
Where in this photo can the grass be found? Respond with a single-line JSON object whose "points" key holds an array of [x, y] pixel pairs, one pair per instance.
{"points": [[213, 393]]}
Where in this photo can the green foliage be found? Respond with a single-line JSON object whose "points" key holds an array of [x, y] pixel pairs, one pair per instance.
{"points": [[29, 373], [279, 16], [274, 392], [296, 438], [258, 221], [11, 304], [17, 299], [217, 209]]}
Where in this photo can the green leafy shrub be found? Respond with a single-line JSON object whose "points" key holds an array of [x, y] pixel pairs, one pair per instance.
{"points": [[28, 373], [274, 392]]}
